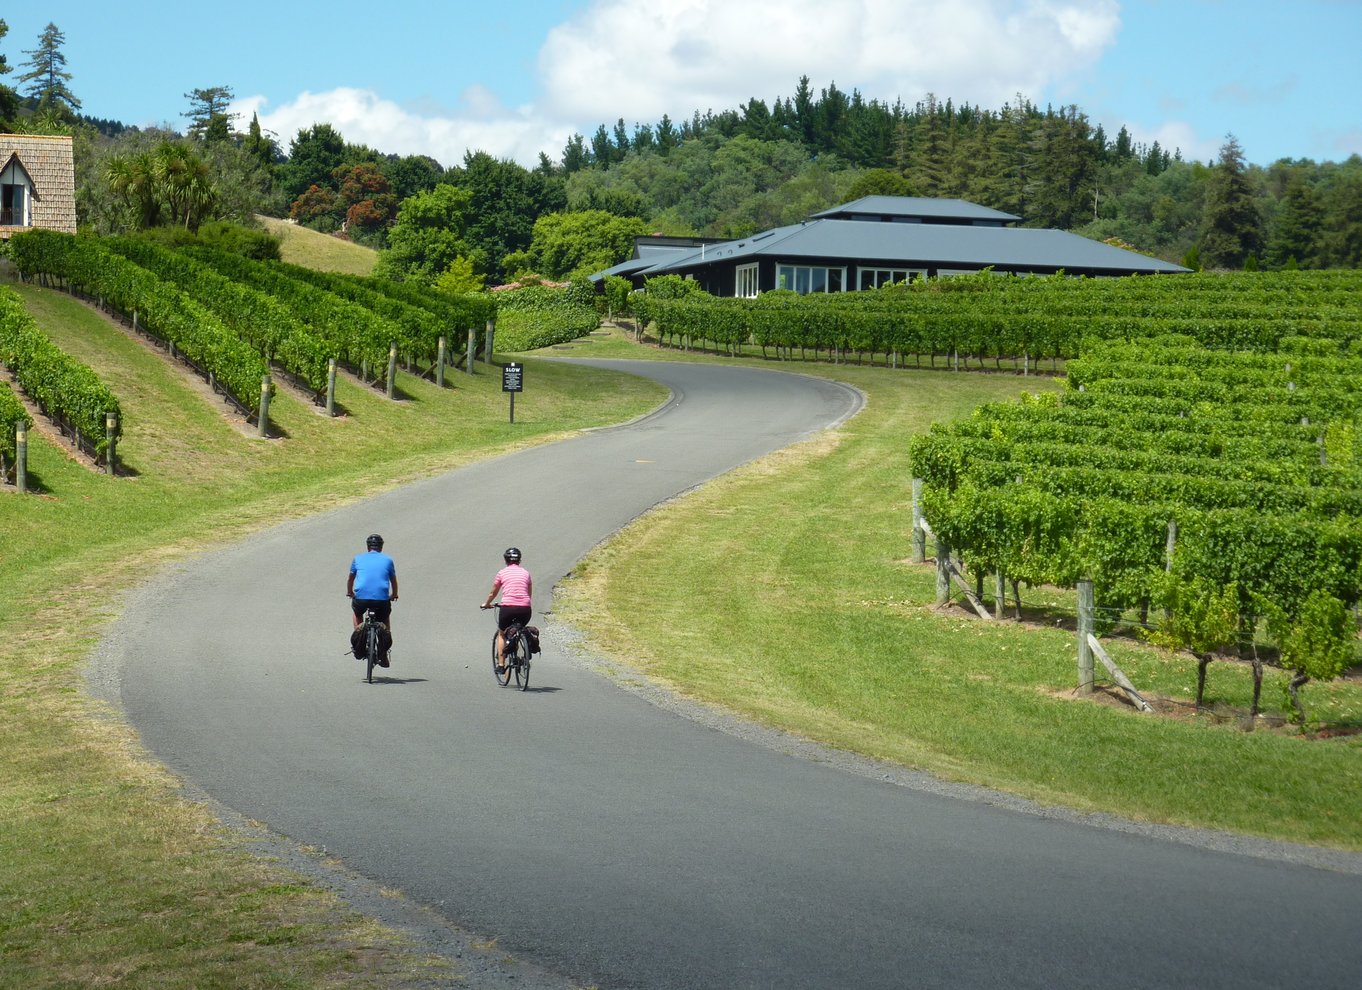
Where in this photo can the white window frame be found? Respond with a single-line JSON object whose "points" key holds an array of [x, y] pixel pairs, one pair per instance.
{"points": [[804, 275], [746, 281], [883, 275]]}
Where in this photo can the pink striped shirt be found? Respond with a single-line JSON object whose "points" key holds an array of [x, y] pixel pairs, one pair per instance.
{"points": [[515, 584]]}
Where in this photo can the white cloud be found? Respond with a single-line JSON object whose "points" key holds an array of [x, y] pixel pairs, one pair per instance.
{"points": [[363, 117], [639, 59]]}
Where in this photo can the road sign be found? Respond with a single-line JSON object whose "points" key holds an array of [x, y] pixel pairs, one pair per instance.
{"points": [[512, 377]]}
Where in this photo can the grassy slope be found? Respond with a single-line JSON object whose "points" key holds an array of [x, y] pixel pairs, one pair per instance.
{"points": [[106, 876], [302, 246]]}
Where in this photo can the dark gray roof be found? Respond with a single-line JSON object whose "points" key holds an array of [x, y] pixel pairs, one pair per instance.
{"points": [[923, 245], [918, 207]]}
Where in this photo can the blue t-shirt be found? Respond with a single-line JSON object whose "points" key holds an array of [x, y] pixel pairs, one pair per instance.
{"points": [[373, 571]]}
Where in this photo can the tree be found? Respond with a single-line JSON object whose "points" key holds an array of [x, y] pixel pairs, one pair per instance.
{"points": [[366, 197], [427, 236], [313, 155], [1231, 226], [460, 279], [585, 242], [505, 199], [1297, 230], [208, 117], [1342, 203], [9, 99], [169, 182], [47, 76], [879, 182], [317, 208], [261, 148]]}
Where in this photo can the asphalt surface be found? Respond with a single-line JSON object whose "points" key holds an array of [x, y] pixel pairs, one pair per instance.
{"points": [[605, 839]]}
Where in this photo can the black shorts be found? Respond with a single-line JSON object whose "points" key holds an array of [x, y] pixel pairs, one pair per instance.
{"points": [[519, 614], [381, 609]]}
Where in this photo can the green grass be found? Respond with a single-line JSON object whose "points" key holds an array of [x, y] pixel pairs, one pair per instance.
{"points": [[821, 626], [325, 252], [107, 876]]}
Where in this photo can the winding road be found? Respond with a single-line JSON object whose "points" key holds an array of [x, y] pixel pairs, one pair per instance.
{"points": [[619, 843]]}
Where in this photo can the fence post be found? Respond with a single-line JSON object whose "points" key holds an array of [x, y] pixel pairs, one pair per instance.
{"points": [[264, 406], [110, 443], [331, 386], [440, 363], [1168, 549], [919, 536], [392, 370], [1086, 610], [943, 572], [21, 458], [999, 593], [472, 345], [491, 338]]}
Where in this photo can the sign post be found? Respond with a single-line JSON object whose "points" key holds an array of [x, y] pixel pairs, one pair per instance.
{"points": [[512, 381]]}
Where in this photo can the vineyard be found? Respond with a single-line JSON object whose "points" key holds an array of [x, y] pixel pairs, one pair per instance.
{"points": [[984, 320], [239, 322], [1218, 491], [1203, 469]]}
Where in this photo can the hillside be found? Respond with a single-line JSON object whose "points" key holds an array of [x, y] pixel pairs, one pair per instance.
{"points": [[324, 252]]}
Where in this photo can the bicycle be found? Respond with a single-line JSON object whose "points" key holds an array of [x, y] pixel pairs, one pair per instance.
{"points": [[373, 647], [517, 656]]}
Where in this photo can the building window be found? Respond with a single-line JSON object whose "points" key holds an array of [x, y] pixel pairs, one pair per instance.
{"points": [[873, 278], [810, 278], [747, 282], [13, 203]]}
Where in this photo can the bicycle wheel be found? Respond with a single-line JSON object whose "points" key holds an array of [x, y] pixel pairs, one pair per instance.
{"points": [[522, 661], [503, 676], [371, 650]]}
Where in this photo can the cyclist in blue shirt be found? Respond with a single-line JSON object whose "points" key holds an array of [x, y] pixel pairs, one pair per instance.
{"points": [[372, 585]]}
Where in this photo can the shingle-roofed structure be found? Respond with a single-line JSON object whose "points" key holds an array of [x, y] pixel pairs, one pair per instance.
{"points": [[37, 183], [878, 239]]}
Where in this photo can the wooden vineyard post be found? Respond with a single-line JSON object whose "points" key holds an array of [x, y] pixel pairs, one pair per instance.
{"points": [[440, 363], [472, 345], [919, 534], [1086, 610], [331, 386], [491, 333], [21, 458], [999, 594], [264, 425], [943, 572], [1169, 547], [392, 370], [111, 443]]}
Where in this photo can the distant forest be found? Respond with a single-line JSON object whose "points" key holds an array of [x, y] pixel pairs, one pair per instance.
{"points": [[727, 173]]}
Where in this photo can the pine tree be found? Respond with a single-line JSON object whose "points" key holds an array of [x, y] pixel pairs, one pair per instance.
{"points": [[208, 116], [47, 77], [1231, 227], [1297, 230]]}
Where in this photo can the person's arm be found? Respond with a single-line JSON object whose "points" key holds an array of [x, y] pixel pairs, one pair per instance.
{"points": [[491, 594], [529, 584], [350, 585], [392, 580]]}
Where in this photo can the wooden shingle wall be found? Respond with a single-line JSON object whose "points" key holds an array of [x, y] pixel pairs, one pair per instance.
{"points": [[51, 165]]}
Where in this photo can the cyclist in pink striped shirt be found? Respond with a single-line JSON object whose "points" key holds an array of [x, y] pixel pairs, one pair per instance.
{"points": [[516, 587]]}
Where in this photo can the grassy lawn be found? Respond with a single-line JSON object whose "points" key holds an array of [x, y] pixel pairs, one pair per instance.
{"points": [[107, 876], [821, 626]]}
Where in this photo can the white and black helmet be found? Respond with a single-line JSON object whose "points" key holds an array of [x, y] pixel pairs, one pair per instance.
{"points": [[512, 555]]}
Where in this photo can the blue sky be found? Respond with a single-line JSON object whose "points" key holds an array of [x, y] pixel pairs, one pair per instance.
{"points": [[521, 76]]}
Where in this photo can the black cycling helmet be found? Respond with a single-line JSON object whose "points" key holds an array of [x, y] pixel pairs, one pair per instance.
{"points": [[374, 542], [512, 555]]}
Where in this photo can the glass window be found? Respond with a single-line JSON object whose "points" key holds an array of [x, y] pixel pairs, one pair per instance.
{"points": [[746, 282], [11, 205]]}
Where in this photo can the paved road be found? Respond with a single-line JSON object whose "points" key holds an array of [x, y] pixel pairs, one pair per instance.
{"points": [[624, 845]]}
